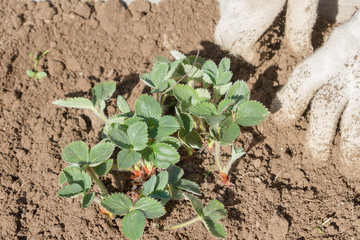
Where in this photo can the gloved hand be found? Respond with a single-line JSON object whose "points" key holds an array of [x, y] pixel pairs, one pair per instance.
{"points": [[331, 78]]}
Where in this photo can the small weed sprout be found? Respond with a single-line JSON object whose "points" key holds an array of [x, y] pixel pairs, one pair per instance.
{"points": [[208, 112], [34, 73]]}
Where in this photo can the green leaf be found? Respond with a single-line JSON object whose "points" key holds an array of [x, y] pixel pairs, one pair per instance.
{"points": [[203, 109], [87, 200], [146, 106], [224, 65], [30, 73], [193, 139], [215, 210], [186, 121], [41, 75], [184, 93], [117, 203], [195, 202], [149, 186], [133, 120], [138, 136], [133, 225], [224, 104], [175, 193], [76, 153], [122, 104], [162, 195], [158, 73], [177, 55], [214, 120], [171, 141], [127, 158], [150, 207], [239, 92], [189, 186], [104, 167], [70, 191], [210, 71], [102, 92], [229, 134], [175, 174], [203, 93], [117, 135], [223, 79], [100, 153], [162, 180], [78, 176], [146, 78], [167, 126], [215, 228], [222, 89], [165, 155], [251, 113], [62, 177], [75, 103], [236, 152], [193, 72]]}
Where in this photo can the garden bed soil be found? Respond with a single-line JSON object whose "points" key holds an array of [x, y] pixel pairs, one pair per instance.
{"points": [[275, 194]]}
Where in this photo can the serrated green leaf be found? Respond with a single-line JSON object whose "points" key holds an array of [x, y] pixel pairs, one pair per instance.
{"points": [[30, 73], [80, 102], [223, 79], [78, 176], [165, 155], [146, 106], [162, 180], [224, 104], [215, 228], [150, 207], [158, 73], [102, 92], [146, 78], [122, 104], [171, 141], [133, 120], [203, 93], [87, 200], [235, 154], [229, 134], [149, 185], [148, 154], [167, 126], [70, 191], [251, 113], [215, 210], [214, 120], [195, 202], [192, 71], [184, 93], [175, 174], [186, 121], [116, 133], [138, 136], [62, 177], [174, 66], [133, 225], [104, 167], [175, 193], [127, 158], [100, 153], [239, 92], [41, 75], [162, 195], [117, 203], [76, 153], [189, 186], [203, 109], [177, 55]]}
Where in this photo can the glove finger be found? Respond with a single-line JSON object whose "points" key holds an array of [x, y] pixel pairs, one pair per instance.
{"points": [[242, 22], [326, 108], [300, 19]]}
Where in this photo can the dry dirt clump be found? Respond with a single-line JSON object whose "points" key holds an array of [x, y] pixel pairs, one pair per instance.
{"points": [[275, 195]]}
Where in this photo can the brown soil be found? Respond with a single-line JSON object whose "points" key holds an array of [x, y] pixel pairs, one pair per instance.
{"points": [[275, 195]]}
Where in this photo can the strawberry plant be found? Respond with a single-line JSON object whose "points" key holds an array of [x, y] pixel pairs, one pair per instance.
{"points": [[34, 72]]}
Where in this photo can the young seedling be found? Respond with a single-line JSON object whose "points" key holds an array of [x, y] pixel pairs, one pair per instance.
{"points": [[210, 108], [34, 72], [209, 215]]}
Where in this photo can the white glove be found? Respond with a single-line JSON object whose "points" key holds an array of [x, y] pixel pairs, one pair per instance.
{"points": [[332, 74]]}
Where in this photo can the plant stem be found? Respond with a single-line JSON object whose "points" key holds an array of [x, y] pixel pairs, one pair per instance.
{"points": [[181, 225], [217, 155], [98, 181], [100, 115]]}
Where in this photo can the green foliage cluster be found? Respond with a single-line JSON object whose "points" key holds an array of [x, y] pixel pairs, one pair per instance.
{"points": [[34, 72], [208, 109]]}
